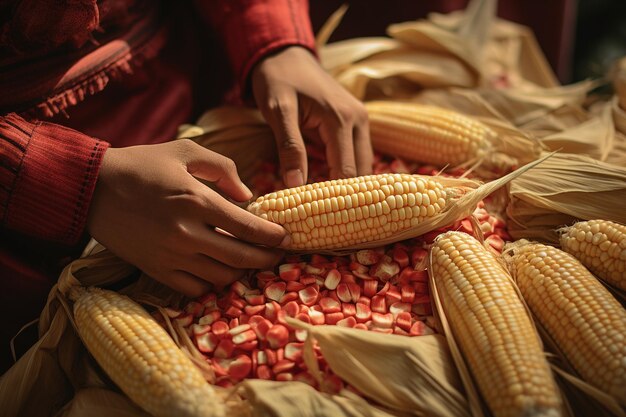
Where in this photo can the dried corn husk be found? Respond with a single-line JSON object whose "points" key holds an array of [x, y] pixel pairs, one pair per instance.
{"points": [[402, 72], [563, 189], [464, 39], [276, 399], [593, 138], [417, 373]]}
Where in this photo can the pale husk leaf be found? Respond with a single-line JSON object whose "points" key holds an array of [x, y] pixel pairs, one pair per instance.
{"points": [[339, 55], [327, 29], [101, 402], [406, 374], [555, 121], [402, 71], [464, 40], [279, 399], [593, 138]]}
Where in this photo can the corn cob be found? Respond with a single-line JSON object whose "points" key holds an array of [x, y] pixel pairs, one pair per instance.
{"points": [[584, 319], [493, 328], [427, 134], [345, 212], [601, 246], [140, 357]]}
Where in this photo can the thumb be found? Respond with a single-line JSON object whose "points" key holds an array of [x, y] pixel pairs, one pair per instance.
{"points": [[218, 169], [282, 116]]}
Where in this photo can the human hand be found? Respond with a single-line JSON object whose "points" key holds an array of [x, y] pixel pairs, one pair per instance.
{"points": [[150, 209], [297, 97]]}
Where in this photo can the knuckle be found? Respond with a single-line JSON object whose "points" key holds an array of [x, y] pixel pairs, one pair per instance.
{"points": [[292, 145], [185, 145], [361, 115], [281, 106], [228, 165], [348, 171], [249, 229], [240, 258], [179, 234]]}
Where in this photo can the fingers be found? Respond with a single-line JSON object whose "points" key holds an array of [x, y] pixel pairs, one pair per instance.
{"points": [[218, 169], [213, 271], [363, 148], [218, 212], [346, 135], [339, 149], [187, 283], [281, 112], [233, 252]]}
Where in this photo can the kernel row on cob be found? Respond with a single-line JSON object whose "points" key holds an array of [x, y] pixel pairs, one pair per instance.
{"points": [[492, 328], [583, 318]]}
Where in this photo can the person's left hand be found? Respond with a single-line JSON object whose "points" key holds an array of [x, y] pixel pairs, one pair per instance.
{"points": [[298, 98]]}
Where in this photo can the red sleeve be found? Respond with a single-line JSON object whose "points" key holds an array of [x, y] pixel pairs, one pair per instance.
{"points": [[47, 177], [251, 29]]}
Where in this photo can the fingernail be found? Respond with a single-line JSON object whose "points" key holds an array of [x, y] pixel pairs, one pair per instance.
{"points": [[293, 178], [286, 242], [247, 190]]}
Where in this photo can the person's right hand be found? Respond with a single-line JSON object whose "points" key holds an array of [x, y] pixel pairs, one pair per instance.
{"points": [[150, 210]]}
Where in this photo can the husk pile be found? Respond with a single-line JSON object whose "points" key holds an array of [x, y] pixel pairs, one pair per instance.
{"points": [[563, 189], [467, 61]]}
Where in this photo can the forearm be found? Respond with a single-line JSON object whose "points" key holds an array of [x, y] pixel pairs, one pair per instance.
{"points": [[47, 177]]}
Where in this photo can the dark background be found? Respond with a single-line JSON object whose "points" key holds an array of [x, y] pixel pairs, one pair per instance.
{"points": [[580, 38]]}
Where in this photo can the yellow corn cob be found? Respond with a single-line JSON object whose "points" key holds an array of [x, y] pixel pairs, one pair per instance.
{"points": [[140, 357], [583, 318], [345, 212], [493, 329], [601, 246], [427, 134]]}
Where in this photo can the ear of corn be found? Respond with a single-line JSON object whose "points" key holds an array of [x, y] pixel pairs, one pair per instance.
{"points": [[601, 246], [493, 329], [427, 134], [140, 357], [345, 212], [587, 323]]}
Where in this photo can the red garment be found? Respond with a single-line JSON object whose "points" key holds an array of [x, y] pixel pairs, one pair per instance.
{"points": [[76, 76]]}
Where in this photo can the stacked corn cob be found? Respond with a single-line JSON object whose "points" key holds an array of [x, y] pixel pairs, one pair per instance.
{"points": [[601, 246], [427, 134], [494, 332], [586, 322], [140, 357]]}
